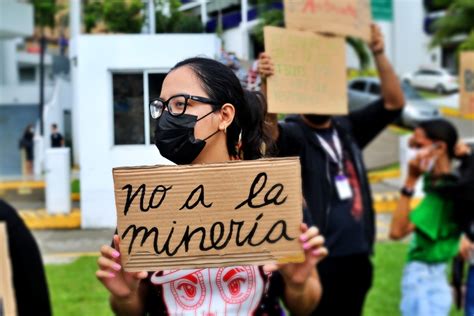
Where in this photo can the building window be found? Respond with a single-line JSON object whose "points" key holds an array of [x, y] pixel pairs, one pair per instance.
{"points": [[155, 81], [132, 93], [27, 74], [128, 109]]}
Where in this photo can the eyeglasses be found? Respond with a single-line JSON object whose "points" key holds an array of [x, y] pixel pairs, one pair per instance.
{"points": [[176, 105]]}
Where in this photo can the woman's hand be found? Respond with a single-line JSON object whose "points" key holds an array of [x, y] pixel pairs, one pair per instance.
{"points": [[265, 66], [123, 286], [296, 274]]}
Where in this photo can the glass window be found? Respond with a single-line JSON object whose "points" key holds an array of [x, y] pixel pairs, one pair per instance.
{"points": [[358, 86], [374, 89], [128, 109], [155, 81], [27, 74]]}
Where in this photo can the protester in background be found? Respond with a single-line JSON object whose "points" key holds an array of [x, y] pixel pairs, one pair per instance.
{"points": [[461, 192], [57, 140], [29, 281], [26, 143], [467, 253], [425, 289], [335, 184], [204, 116]]}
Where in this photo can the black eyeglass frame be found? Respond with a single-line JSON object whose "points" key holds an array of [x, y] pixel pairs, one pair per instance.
{"points": [[187, 97]]}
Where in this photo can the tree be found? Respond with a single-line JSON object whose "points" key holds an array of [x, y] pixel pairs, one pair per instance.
{"points": [[459, 20], [468, 44], [45, 11], [93, 13], [123, 16], [176, 21]]}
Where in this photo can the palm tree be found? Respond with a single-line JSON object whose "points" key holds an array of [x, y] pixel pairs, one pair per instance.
{"points": [[459, 20]]}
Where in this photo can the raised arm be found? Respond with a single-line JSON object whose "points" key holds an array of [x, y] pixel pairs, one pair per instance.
{"points": [[265, 70], [391, 90]]}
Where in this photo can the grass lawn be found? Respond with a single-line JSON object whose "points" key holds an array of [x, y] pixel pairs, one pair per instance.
{"points": [[74, 289]]}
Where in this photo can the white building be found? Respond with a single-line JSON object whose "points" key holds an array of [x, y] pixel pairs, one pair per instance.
{"points": [[19, 82], [113, 79]]}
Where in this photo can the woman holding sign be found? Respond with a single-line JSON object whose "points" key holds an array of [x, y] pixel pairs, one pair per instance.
{"points": [[204, 116]]}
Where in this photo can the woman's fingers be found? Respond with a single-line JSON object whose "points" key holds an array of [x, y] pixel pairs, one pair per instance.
{"points": [[320, 253], [308, 233], [108, 264], [102, 274], [314, 242], [109, 252], [141, 275]]}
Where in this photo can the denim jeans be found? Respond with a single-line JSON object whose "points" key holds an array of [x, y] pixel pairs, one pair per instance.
{"points": [[469, 307], [425, 290]]}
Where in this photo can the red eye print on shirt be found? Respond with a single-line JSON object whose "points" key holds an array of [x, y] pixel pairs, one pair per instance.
{"points": [[235, 283], [189, 292]]}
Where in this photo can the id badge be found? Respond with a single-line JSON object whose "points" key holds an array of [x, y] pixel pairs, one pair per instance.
{"points": [[343, 187]]}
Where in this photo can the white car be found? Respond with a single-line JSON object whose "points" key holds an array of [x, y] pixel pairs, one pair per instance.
{"points": [[436, 79]]}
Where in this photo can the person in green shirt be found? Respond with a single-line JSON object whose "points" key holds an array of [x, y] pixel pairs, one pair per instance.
{"points": [[436, 234]]}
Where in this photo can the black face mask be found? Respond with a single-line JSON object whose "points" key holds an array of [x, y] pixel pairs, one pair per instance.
{"points": [[317, 119], [174, 137]]}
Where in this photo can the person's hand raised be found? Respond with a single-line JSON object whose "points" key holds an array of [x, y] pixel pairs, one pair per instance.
{"points": [[377, 44], [265, 66]]}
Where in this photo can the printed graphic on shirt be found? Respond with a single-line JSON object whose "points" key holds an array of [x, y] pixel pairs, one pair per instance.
{"points": [[213, 291], [357, 209]]}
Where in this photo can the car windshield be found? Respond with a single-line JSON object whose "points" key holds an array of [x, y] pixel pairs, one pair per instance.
{"points": [[410, 92]]}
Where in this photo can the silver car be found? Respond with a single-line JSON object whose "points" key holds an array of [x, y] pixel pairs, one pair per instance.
{"points": [[364, 90]]}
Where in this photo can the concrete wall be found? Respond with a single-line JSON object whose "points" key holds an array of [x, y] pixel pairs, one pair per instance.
{"points": [[16, 19], [96, 57]]}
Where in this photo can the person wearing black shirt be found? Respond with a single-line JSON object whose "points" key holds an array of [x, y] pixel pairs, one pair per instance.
{"points": [[335, 184], [57, 139], [29, 280]]}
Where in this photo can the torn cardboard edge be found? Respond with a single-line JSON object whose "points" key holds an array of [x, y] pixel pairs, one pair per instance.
{"points": [[210, 215]]}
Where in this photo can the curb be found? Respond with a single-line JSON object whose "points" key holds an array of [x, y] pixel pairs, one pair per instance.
{"points": [[386, 203], [378, 176], [40, 219], [455, 113], [26, 187]]}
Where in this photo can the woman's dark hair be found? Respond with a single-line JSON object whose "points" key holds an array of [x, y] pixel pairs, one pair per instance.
{"points": [[441, 130], [221, 85]]}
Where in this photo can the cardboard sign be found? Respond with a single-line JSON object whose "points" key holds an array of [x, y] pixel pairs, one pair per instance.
{"points": [[466, 82], [7, 297], [214, 215], [310, 72], [340, 17]]}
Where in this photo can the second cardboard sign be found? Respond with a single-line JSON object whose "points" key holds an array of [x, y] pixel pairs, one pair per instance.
{"points": [[310, 72], [341, 17]]}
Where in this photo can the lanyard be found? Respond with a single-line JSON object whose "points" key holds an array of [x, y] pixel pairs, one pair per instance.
{"points": [[336, 156]]}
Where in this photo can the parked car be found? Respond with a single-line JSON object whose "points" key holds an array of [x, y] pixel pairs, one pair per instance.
{"points": [[364, 90], [436, 79]]}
